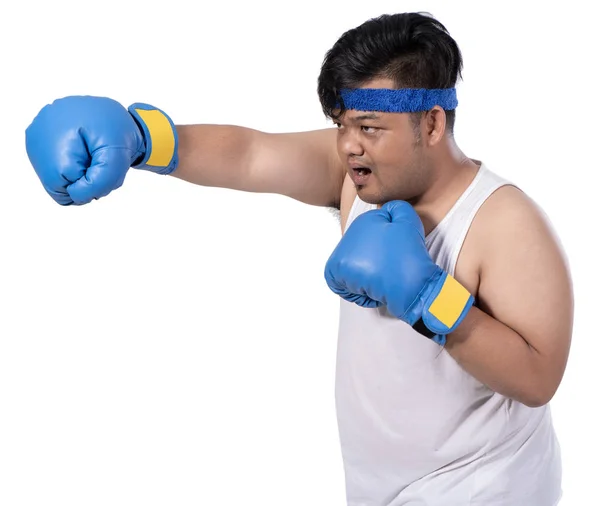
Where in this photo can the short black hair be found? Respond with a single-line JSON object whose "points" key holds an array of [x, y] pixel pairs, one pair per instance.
{"points": [[413, 49]]}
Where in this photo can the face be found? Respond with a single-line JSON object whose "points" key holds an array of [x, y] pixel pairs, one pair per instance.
{"points": [[382, 153]]}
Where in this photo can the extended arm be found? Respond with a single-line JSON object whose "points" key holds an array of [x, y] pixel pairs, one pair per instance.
{"points": [[82, 148], [300, 165]]}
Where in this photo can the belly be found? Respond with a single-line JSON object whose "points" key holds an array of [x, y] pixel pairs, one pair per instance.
{"points": [[405, 407]]}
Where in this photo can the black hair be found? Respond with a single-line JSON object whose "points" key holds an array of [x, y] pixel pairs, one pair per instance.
{"points": [[413, 49]]}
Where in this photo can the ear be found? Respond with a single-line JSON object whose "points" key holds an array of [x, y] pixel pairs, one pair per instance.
{"points": [[435, 125]]}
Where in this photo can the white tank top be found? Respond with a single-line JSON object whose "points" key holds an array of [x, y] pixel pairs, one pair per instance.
{"points": [[415, 428]]}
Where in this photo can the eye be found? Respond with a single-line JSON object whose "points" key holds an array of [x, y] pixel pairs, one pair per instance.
{"points": [[368, 129]]}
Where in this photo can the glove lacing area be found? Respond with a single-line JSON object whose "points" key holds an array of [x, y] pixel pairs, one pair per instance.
{"points": [[414, 312]]}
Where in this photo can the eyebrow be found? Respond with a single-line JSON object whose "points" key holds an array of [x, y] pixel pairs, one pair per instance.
{"points": [[362, 117]]}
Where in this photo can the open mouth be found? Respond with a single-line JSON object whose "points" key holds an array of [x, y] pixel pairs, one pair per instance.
{"points": [[360, 175]]}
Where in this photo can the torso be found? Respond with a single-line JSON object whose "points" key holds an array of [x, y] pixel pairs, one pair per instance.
{"points": [[452, 449]]}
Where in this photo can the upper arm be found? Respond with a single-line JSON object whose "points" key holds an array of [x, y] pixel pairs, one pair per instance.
{"points": [[524, 277], [302, 165]]}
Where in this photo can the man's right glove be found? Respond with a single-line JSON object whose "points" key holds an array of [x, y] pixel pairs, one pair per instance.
{"points": [[382, 259], [81, 147]]}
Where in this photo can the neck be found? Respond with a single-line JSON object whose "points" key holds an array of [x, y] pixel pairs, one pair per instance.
{"points": [[452, 173]]}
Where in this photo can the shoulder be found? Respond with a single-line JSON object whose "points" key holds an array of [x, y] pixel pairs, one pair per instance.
{"points": [[509, 234], [519, 255], [510, 219]]}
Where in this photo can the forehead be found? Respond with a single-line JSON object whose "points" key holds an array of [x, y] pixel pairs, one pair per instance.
{"points": [[352, 116]]}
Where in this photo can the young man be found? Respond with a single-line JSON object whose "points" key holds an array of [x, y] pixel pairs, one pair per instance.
{"points": [[456, 299]]}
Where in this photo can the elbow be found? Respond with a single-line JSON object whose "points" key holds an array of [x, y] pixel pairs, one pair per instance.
{"points": [[536, 402], [538, 397], [543, 380]]}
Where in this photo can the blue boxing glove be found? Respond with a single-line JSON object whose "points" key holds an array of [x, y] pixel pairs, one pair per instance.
{"points": [[81, 147], [382, 260]]}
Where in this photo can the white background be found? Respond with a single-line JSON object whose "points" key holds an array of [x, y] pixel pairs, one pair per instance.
{"points": [[175, 344]]}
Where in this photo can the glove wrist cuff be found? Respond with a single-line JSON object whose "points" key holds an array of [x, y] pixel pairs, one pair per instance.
{"points": [[160, 138], [445, 308]]}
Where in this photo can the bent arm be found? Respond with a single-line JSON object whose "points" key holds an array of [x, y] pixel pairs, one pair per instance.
{"points": [[300, 165], [517, 341]]}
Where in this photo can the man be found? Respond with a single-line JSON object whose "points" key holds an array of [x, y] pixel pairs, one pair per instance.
{"points": [[456, 299]]}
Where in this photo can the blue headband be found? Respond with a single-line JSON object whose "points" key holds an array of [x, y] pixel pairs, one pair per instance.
{"points": [[402, 100]]}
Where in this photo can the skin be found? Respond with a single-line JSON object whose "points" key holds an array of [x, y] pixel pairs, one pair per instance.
{"points": [[517, 338]]}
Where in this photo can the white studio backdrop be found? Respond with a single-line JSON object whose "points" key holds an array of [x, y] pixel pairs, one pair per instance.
{"points": [[175, 344]]}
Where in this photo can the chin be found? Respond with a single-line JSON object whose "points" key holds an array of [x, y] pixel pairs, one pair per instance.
{"points": [[372, 197], [367, 196]]}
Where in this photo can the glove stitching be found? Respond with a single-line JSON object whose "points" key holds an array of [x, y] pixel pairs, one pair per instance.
{"points": [[132, 159], [103, 148], [419, 295]]}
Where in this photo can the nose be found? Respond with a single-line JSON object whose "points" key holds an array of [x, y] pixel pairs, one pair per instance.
{"points": [[349, 143]]}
